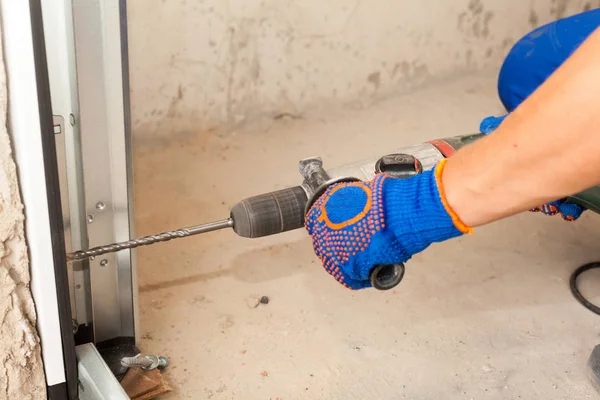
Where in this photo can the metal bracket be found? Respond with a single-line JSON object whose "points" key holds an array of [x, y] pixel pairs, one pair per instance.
{"points": [[96, 381], [76, 280]]}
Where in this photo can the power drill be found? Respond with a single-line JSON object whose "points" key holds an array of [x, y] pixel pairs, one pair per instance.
{"points": [[284, 210]]}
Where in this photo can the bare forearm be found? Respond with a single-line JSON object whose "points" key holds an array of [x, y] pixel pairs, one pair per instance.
{"points": [[545, 150]]}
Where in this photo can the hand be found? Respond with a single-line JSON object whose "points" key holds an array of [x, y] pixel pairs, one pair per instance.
{"points": [[568, 211], [357, 226]]}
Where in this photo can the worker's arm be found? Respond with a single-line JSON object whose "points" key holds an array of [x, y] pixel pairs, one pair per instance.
{"points": [[546, 149]]}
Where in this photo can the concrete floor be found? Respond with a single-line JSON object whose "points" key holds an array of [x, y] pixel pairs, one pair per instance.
{"points": [[482, 317]]}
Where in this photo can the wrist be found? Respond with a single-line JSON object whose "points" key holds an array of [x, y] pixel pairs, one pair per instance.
{"points": [[416, 208], [457, 219], [464, 194]]}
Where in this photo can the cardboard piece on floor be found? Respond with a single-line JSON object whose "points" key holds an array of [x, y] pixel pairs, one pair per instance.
{"points": [[163, 386], [144, 385], [136, 383]]}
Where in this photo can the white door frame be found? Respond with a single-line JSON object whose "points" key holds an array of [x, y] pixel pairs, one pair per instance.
{"points": [[31, 128]]}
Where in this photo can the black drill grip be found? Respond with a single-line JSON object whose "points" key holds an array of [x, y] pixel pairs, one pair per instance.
{"points": [[270, 213]]}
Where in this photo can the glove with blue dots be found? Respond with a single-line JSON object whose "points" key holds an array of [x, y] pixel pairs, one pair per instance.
{"points": [[359, 225]]}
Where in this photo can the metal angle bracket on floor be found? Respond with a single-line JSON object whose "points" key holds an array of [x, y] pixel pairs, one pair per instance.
{"points": [[96, 381]]}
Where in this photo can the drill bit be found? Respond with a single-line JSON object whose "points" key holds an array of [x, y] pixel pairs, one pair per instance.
{"points": [[146, 240]]}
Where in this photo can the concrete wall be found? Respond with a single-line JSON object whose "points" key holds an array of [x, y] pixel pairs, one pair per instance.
{"points": [[199, 64], [21, 369]]}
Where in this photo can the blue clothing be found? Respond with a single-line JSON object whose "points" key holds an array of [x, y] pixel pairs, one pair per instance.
{"points": [[539, 53]]}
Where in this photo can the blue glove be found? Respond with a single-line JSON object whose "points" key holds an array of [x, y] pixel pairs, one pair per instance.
{"points": [[568, 211], [356, 226]]}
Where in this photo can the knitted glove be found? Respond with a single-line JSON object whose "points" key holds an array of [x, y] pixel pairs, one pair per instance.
{"points": [[356, 226], [568, 211]]}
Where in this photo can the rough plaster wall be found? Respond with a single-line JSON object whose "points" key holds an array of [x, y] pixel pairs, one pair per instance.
{"points": [[196, 65], [21, 369]]}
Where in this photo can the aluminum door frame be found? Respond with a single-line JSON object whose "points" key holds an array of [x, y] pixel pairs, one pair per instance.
{"points": [[100, 33], [60, 50]]}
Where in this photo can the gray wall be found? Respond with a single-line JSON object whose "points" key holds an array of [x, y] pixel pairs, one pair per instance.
{"points": [[201, 65]]}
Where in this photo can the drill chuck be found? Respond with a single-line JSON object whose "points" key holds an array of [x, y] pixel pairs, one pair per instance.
{"points": [[269, 213]]}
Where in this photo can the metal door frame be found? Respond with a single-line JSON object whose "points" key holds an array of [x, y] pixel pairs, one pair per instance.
{"points": [[67, 71], [88, 66], [60, 49], [30, 124], [103, 89]]}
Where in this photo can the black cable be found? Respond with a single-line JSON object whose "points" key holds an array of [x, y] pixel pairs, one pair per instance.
{"points": [[575, 290]]}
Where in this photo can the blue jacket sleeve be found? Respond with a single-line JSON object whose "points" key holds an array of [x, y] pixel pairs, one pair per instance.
{"points": [[539, 53]]}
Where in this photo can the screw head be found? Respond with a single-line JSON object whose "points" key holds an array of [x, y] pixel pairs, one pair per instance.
{"points": [[100, 206], [104, 262], [264, 300], [89, 218], [162, 362]]}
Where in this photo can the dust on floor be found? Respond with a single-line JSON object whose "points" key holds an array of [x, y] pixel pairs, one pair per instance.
{"points": [[488, 316]]}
